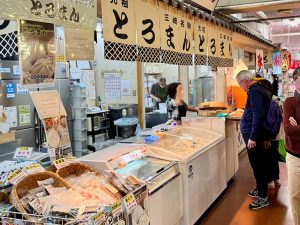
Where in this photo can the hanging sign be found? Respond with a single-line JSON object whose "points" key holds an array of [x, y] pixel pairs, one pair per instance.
{"points": [[80, 13], [213, 41], [222, 43], [267, 58], [186, 29], [169, 30], [208, 4], [200, 37], [276, 61], [147, 24], [285, 60], [37, 53], [259, 68], [118, 21]]}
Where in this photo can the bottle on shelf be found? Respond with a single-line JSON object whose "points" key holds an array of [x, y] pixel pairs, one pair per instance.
{"points": [[138, 131]]}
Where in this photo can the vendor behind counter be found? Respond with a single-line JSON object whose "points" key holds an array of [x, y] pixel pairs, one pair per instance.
{"points": [[159, 92]]}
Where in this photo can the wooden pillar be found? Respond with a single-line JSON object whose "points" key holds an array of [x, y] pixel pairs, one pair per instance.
{"points": [[140, 93]]}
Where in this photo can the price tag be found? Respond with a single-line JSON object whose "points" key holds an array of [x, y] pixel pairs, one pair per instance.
{"points": [[15, 176], [60, 58], [34, 168], [60, 163], [23, 153], [99, 218], [111, 188], [129, 202], [117, 209], [72, 159]]}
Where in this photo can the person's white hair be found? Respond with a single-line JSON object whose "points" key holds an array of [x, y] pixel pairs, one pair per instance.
{"points": [[245, 75]]}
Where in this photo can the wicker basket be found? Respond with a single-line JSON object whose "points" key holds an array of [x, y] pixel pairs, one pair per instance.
{"points": [[29, 183], [74, 169]]}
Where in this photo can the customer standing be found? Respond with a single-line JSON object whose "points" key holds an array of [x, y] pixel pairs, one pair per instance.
{"points": [[275, 84], [159, 92], [291, 122], [255, 135]]}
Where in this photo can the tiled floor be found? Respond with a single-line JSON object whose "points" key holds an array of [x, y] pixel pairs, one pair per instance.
{"points": [[232, 206]]}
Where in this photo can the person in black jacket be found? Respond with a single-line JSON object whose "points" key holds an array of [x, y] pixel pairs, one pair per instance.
{"points": [[275, 84], [256, 137]]}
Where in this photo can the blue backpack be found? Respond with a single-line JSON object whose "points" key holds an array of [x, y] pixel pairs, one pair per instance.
{"points": [[273, 119]]}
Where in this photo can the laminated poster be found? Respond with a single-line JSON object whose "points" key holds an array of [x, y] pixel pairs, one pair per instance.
{"points": [[24, 115], [37, 53], [112, 86]]}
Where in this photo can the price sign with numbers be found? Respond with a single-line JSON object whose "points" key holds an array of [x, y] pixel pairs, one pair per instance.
{"points": [[60, 163], [129, 202], [34, 168], [117, 209], [15, 176], [23, 153]]}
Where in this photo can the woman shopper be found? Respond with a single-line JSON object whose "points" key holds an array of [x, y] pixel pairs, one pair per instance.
{"points": [[291, 122]]}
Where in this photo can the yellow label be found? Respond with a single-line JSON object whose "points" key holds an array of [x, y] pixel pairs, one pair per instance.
{"points": [[13, 175], [117, 208], [129, 202], [60, 58], [99, 217]]}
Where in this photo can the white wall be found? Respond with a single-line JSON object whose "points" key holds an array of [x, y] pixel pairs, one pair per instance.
{"points": [[170, 72], [128, 71]]}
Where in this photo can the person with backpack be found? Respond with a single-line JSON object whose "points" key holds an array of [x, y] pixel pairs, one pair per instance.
{"points": [[258, 128], [291, 124]]}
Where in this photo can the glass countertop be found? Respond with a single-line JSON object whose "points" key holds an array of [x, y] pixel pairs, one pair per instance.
{"points": [[144, 168]]}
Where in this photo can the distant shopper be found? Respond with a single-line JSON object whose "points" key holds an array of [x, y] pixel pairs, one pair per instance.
{"points": [[177, 107], [256, 137], [159, 92], [291, 122], [275, 84]]}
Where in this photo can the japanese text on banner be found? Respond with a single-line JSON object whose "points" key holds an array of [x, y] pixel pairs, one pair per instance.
{"points": [[213, 41], [147, 22], [119, 21], [186, 29], [200, 37]]}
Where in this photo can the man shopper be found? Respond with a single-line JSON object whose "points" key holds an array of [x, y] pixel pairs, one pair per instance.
{"points": [[256, 137], [159, 92]]}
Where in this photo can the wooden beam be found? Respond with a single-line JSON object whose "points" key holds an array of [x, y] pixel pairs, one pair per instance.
{"points": [[99, 9], [140, 93], [243, 41]]}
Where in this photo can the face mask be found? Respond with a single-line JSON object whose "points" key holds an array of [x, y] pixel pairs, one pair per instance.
{"points": [[297, 96]]}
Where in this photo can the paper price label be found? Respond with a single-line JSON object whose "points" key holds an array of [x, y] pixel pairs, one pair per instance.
{"points": [[72, 159], [15, 176], [60, 163], [117, 208], [111, 188], [34, 168], [129, 202], [23, 153], [60, 58], [99, 218]]}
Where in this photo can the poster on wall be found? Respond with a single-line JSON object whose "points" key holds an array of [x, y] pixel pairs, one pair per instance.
{"points": [[112, 86], [37, 53], [126, 87], [276, 61], [11, 116], [148, 31], [24, 115], [80, 43], [259, 68], [88, 78]]}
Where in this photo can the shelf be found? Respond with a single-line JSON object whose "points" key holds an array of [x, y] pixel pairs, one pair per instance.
{"points": [[98, 131]]}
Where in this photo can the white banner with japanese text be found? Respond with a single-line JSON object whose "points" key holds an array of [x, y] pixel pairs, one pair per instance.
{"points": [[200, 41], [76, 12], [268, 60], [148, 31], [119, 30]]}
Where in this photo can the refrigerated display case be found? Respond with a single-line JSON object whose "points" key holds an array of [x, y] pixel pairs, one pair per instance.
{"points": [[202, 159], [161, 175]]}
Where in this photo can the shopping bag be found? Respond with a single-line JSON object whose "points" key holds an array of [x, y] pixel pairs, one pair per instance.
{"points": [[281, 151]]}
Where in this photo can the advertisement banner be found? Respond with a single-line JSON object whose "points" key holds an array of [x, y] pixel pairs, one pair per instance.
{"points": [[276, 61], [259, 68], [147, 24], [36, 53], [267, 58], [200, 37], [82, 13], [80, 43], [285, 60], [119, 21]]}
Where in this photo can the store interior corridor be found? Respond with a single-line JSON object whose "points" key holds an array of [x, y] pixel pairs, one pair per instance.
{"points": [[232, 206]]}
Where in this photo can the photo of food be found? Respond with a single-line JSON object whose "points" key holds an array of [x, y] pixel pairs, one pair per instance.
{"points": [[37, 52], [57, 132]]}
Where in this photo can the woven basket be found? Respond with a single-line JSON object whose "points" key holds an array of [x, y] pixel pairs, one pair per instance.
{"points": [[76, 169], [29, 183]]}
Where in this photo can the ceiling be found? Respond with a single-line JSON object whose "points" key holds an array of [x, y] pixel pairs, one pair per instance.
{"points": [[285, 29]]}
